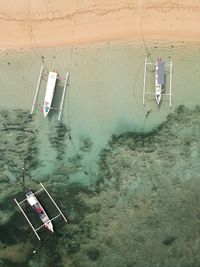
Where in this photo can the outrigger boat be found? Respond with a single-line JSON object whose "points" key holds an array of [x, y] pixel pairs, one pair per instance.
{"points": [[49, 94], [37, 207], [159, 80]]}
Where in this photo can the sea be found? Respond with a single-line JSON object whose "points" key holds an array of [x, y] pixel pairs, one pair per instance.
{"points": [[100, 162]]}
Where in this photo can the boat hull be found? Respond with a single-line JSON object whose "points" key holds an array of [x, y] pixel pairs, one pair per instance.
{"points": [[51, 83], [37, 207], [159, 80]]}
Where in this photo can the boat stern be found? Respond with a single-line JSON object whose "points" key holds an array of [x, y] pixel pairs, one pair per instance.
{"points": [[46, 108], [158, 98], [158, 93], [50, 88]]}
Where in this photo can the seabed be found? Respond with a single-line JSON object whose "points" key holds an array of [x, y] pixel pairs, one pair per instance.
{"points": [[141, 210]]}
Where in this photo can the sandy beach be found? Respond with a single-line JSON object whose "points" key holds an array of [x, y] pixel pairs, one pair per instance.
{"points": [[49, 23]]}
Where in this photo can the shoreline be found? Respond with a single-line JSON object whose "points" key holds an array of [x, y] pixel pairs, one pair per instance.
{"points": [[55, 24], [101, 42]]}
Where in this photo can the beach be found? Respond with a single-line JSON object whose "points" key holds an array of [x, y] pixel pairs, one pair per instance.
{"points": [[57, 23]]}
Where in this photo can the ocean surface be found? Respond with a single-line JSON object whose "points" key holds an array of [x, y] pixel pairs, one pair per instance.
{"points": [[80, 158]]}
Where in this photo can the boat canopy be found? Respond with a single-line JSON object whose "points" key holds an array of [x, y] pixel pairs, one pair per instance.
{"points": [[161, 72], [31, 200]]}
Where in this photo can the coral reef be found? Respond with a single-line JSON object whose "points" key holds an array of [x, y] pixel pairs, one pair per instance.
{"points": [[57, 138], [18, 155], [146, 212], [142, 211], [15, 253]]}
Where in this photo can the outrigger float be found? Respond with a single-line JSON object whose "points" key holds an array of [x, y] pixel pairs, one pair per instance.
{"points": [[39, 210], [50, 89], [159, 80]]}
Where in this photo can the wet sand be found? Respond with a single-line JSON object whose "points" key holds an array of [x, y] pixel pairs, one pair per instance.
{"points": [[56, 23]]}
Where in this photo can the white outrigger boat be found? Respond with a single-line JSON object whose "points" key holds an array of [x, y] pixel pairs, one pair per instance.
{"points": [[49, 94], [159, 81], [37, 207]]}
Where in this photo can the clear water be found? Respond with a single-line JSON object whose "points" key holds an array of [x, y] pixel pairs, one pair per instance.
{"points": [[104, 98]]}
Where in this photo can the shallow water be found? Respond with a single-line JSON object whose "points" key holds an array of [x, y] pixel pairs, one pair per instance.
{"points": [[104, 98], [105, 91]]}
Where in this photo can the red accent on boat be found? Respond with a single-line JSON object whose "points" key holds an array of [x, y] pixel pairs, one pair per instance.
{"points": [[39, 210]]}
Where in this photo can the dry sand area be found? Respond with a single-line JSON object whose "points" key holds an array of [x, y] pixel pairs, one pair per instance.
{"points": [[46, 23]]}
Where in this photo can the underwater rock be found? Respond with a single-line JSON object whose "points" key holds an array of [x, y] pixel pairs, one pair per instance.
{"points": [[169, 240], [74, 217], [5, 216], [86, 144], [72, 246], [86, 228], [16, 253], [93, 254], [4, 179], [149, 149], [92, 234], [57, 138], [131, 144]]}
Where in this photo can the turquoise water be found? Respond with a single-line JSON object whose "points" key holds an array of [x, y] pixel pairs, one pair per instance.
{"points": [[105, 91], [94, 187]]}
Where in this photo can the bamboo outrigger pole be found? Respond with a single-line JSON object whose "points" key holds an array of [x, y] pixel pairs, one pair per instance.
{"points": [[37, 90], [63, 95]]}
